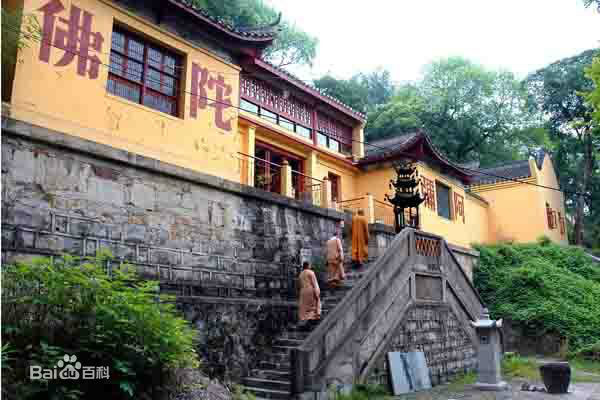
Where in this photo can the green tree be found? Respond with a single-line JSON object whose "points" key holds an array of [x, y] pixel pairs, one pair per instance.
{"points": [[473, 113], [589, 3], [363, 92], [380, 88], [558, 91], [18, 32], [292, 45], [400, 115], [351, 92], [593, 99], [53, 307]]}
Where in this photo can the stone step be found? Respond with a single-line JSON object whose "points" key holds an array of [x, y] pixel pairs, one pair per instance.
{"points": [[282, 341], [294, 334], [283, 349], [269, 393], [283, 385], [274, 357], [281, 366], [274, 374]]}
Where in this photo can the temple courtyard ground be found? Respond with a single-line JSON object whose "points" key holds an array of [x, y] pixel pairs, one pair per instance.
{"points": [[585, 384]]}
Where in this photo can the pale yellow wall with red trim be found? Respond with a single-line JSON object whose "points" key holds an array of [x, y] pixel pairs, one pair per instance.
{"points": [[58, 98], [474, 229], [517, 211], [317, 163]]}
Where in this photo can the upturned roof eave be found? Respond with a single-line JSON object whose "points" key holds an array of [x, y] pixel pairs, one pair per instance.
{"points": [[262, 39], [400, 151]]}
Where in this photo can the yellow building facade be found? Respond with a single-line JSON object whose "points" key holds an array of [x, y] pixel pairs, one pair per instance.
{"points": [[168, 82]]}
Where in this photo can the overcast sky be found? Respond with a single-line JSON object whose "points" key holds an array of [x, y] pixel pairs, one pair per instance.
{"points": [[403, 35]]}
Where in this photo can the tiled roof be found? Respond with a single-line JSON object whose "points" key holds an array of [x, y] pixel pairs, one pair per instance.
{"points": [[384, 149], [259, 34], [512, 170], [315, 91], [380, 147]]}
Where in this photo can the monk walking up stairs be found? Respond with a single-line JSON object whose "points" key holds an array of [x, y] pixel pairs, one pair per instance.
{"points": [[335, 261], [309, 304], [360, 239]]}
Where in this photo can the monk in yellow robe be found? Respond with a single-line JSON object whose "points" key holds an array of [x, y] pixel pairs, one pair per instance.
{"points": [[360, 238], [335, 258], [309, 306]]}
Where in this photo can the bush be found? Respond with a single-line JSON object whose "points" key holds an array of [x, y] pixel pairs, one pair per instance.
{"points": [[590, 352], [544, 287], [69, 306]]}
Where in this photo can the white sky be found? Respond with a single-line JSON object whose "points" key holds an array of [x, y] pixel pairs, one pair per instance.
{"points": [[404, 35]]}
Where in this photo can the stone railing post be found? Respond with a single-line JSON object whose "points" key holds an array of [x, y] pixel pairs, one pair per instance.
{"points": [[369, 208], [326, 200], [250, 161], [286, 179], [358, 138]]}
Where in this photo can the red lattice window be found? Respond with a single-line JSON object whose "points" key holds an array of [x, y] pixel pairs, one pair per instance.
{"points": [[459, 206], [273, 99], [143, 72], [428, 190], [334, 129]]}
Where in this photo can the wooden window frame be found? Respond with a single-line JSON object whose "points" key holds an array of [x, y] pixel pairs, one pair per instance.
{"points": [[338, 179], [450, 205], [286, 154], [146, 67]]}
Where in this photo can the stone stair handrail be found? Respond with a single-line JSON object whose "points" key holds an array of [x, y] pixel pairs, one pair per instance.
{"points": [[345, 346]]}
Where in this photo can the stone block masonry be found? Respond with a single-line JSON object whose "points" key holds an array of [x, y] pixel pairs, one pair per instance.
{"points": [[65, 194], [228, 252], [435, 330]]}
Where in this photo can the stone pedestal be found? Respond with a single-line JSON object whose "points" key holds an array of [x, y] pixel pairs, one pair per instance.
{"points": [[489, 354]]}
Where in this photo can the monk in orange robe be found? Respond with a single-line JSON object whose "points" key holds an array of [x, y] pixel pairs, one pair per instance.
{"points": [[335, 258], [360, 239], [309, 307]]}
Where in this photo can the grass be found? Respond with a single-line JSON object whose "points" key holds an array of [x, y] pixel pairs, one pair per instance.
{"points": [[459, 383], [527, 368]]}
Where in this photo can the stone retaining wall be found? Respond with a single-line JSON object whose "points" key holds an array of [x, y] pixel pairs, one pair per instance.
{"points": [[229, 252], [435, 330], [62, 193]]}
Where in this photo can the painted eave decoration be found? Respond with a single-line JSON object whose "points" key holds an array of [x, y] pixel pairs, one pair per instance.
{"points": [[258, 66]]}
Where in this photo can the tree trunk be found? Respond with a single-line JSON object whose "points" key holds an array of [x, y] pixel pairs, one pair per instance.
{"points": [[588, 166]]}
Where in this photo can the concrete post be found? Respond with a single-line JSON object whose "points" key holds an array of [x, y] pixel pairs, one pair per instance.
{"points": [[369, 208], [286, 179], [358, 138], [488, 353], [326, 193], [250, 151]]}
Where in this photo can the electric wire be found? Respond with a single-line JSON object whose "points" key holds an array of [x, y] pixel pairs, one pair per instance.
{"points": [[388, 150]]}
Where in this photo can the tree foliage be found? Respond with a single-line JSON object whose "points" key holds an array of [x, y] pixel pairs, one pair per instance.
{"points": [[362, 92], [558, 92], [595, 3], [18, 32], [402, 114], [544, 287], [55, 307], [470, 112], [292, 45]]}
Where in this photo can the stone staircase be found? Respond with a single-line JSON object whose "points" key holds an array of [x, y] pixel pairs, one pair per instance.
{"points": [[272, 378]]}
